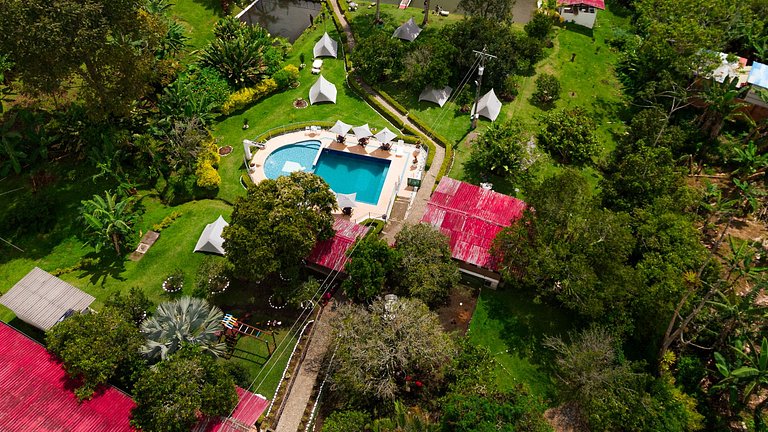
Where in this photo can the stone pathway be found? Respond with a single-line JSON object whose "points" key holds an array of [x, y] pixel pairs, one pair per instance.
{"points": [[301, 392]]}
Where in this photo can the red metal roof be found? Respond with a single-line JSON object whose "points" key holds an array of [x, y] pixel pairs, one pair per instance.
{"points": [[600, 4], [36, 394], [331, 253], [248, 410], [471, 217]]}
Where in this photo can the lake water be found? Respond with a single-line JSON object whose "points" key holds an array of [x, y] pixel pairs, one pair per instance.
{"points": [[286, 18]]}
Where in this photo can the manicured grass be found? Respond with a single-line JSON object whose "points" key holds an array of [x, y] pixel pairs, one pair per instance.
{"points": [[277, 109], [198, 17], [512, 326], [253, 356], [361, 20]]}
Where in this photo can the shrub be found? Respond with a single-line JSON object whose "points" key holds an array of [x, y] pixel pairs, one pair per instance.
{"points": [[377, 226], [539, 26], [569, 136], [166, 222], [346, 421], [286, 76], [547, 90], [213, 276], [207, 176], [511, 88], [246, 96]]}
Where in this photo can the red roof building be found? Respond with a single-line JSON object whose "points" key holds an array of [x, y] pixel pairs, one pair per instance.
{"points": [[331, 255], [599, 4], [471, 217], [36, 394], [581, 12], [248, 410]]}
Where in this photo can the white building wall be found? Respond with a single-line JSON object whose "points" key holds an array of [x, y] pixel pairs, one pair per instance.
{"points": [[580, 16]]}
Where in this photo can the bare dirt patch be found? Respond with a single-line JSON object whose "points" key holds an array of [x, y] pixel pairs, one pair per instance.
{"points": [[566, 418], [457, 312]]}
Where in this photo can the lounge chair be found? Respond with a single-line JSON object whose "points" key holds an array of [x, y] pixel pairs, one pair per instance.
{"points": [[316, 66]]}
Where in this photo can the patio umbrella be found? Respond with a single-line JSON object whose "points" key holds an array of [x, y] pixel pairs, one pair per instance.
{"points": [[340, 128], [346, 200], [362, 131], [385, 135]]}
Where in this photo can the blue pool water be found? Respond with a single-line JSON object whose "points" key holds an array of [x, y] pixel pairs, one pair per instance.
{"points": [[344, 172]]}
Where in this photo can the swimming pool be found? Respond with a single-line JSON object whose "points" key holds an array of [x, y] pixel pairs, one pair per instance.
{"points": [[344, 172]]}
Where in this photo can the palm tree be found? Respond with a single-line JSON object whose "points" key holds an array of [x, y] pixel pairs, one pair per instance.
{"points": [[108, 220], [188, 320]]}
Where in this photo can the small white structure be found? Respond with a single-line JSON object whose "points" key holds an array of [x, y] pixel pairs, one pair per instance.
{"points": [[317, 64], [362, 131], [408, 31], [346, 200], [581, 12], [385, 135], [438, 96], [758, 81], [322, 91], [489, 106], [210, 240], [326, 47], [340, 128]]}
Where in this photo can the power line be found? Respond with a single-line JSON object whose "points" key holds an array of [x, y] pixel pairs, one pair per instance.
{"points": [[483, 57]]}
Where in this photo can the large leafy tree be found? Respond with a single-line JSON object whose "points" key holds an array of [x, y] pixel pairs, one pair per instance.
{"points": [[276, 225], [566, 247], [186, 321], [171, 396], [425, 268], [106, 46], [385, 348], [502, 151], [109, 220], [377, 57], [96, 347], [371, 262], [244, 54], [569, 136], [428, 62], [497, 10]]}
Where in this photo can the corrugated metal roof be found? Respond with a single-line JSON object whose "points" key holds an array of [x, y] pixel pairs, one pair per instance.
{"points": [[471, 217], [331, 253], [40, 299], [248, 410], [36, 394], [600, 4]]}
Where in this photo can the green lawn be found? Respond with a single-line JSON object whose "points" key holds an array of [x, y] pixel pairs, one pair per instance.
{"points": [[361, 20], [198, 17], [512, 325], [588, 82]]}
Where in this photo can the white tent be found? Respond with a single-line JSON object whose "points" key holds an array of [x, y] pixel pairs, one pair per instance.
{"points": [[326, 47], [407, 31], [340, 128], [210, 240], [488, 106], [346, 200], [322, 91], [438, 96], [385, 135], [362, 131]]}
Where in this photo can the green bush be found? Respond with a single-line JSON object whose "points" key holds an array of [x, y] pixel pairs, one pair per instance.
{"points": [[346, 421], [166, 222], [377, 226], [207, 176], [547, 90], [286, 77]]}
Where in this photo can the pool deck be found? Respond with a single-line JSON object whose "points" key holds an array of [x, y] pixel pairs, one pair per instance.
{"points": [[395, 185]]}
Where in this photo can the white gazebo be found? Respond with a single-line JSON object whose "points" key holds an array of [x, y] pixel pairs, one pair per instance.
{"points": [[326, 47], [322, 91], [408, 31], [362, 131], [385, 135], [438, 96], [489, 106], [210, 240], [340, 128]]}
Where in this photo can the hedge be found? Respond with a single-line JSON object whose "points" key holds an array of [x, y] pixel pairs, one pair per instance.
{"points": [[395, 120], [392, 101], [291, 128], [377, 224]]}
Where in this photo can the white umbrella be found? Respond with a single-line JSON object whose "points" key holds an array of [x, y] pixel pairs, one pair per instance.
{"points": [[340, 128], [362, 131], [346, 200], [385, 135]]}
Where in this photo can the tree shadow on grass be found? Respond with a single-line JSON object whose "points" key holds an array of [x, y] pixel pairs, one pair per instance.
{"points": [[102, 266], [211, 5]]}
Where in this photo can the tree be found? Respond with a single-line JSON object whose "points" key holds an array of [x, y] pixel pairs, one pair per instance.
{"points": [[497, 10], [186, 321], [389, 350], [721, 104], [368, 269], [346, 421], [746, 376], [569, 135], [95, 348], [106, 46], [566, 247], [277, 224], [516, 410], [539, 26], [502, 151], [135, 306], [425, 268], [547, 90], [108, 220], [428, 62], [405, 419], [170, 396], [377, 57], [244, 54]]}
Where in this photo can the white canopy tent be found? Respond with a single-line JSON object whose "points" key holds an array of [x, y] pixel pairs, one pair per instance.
{"points": [[438, 96], [489, 106], [340, 128], [322, 91], [408, 31], [346, 200], [210, 240], [326, 47], [385, 135], [362, 131]]}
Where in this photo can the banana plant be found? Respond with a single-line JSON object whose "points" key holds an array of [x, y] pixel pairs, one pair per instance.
{"points": [[745, 376]]}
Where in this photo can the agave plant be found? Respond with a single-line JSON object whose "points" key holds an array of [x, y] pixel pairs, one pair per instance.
{"points": [[186, 321]]}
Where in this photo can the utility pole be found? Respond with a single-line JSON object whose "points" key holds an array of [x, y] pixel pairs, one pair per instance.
{"points": [[483, 57]]}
